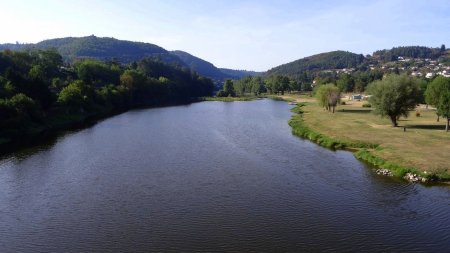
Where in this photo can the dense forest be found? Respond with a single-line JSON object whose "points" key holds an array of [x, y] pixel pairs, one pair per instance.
{"points": [[409, 52], [240, 73], [125, 52], [324, 61], [203, 67], [39, 93], [106, 49]]}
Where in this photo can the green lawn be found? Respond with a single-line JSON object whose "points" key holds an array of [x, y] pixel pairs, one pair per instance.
{"points": [[424, 145]]}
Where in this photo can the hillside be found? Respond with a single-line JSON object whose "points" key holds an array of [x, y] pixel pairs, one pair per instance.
{"points": [[201, 66], [387, 55], [240, 73], [323, 61], [110, 49], [72, 48]]}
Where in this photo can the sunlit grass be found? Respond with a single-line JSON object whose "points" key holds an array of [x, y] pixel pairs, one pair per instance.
{"points": [[419, 143]]}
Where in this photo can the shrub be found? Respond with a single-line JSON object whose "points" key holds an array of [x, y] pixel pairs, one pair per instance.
{"points": [[366, 105]]}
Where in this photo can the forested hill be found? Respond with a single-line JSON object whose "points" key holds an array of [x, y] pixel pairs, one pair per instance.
{"points": [[201, 66], [240, 73], [122, 51], [409, 52], [106, 49], [323, 61]]}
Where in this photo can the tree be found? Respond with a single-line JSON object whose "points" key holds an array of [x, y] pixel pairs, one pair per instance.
{"points": [[227, 90], [257, 86], [434, 91], [443, 107], [328, 96], [442, 48], [75, 96], [345, 83], [25, 106], [394, 96]]}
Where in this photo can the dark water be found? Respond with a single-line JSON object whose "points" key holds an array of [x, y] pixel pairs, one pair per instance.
{"points": [[210, 176]]}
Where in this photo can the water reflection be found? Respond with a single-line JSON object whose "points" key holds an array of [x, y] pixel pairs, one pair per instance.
{"points": [[209, 177]]}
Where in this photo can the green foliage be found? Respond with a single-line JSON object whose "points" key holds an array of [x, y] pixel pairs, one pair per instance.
{"points": [[25, 106], [434, 89], [97, 73], [38, 94], [227, 90], [201, 66], [437, 95], [366, 105], [324, 61], [397, 170], [300, 129], [277, 84], [106, 49], [394, 96], [345, 83], [328, 96], [410, 52], [76, 96], [443, 107], [239, 73]]}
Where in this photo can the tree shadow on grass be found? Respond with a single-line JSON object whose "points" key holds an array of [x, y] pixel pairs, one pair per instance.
{"points": [[427, 127], [354, 111]]}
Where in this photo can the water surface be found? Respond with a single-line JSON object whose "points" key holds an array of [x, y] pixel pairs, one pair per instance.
{"points": [[209, 176]]}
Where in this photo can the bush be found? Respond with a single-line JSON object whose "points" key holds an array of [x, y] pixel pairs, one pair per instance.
{"points": [[343, 103], [222, 93], [366, 105]]}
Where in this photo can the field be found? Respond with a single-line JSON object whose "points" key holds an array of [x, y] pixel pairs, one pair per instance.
{"points": [[419, 142]]}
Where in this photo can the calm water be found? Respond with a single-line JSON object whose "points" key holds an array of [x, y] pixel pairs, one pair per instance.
{"points": [[210, 176]]}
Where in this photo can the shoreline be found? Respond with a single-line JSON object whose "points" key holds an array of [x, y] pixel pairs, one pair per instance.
{"points": [[363, 151], [53, 127]]}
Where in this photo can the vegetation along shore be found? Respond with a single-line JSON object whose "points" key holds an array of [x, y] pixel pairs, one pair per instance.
{"points": [[416, 150]]}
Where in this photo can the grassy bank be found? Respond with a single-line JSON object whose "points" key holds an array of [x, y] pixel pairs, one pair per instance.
{"points": [[422, 149]]}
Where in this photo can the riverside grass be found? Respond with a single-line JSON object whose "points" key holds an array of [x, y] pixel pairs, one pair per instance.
{"points": [[374, 141]]}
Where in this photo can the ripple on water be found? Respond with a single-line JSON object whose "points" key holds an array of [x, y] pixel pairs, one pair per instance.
{"points": [[209, 177]]}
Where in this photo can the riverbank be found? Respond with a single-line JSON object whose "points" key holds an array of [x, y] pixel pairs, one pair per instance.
{"points": [[34, 133], [231, 99], [417, 150]]}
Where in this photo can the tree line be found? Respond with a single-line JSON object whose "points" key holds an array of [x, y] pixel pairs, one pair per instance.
{"points": [[396, 95], [279, 84], [38, 91], [393, 95], [409, 52]]}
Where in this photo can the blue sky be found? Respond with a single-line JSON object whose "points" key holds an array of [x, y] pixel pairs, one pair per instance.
{"points": [[252, 35]]}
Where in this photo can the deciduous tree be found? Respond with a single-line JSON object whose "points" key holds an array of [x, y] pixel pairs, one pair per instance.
{"points": [[394, 96]]}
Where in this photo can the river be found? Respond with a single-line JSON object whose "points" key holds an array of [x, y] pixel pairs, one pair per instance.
{"points": [[209, 176]]}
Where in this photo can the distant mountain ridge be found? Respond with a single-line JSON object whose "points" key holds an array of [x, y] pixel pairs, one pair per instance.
{"points": [[72, 48], [201, 66], [111, 49], [240, 73]]}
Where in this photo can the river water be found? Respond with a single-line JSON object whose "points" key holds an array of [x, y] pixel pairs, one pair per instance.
{"points": [[209, 176]]}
